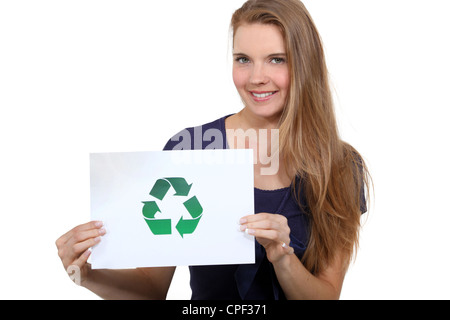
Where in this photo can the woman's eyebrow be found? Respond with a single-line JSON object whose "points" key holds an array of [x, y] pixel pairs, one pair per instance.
{"points": [[270, 55], [276, 54]]}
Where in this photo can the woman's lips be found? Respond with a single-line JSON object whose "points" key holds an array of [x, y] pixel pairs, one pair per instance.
{"points": [[260, 96]]}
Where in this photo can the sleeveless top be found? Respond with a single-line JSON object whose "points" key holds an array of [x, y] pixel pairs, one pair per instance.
{"points": [[247, 281]]}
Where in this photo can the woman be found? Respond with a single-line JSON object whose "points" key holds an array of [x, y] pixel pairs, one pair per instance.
{"points": [[307, 211]]}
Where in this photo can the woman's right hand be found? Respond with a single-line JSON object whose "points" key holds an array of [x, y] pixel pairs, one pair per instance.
{"points": [[73, 247]]}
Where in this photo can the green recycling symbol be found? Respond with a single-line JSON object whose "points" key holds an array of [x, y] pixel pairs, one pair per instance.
{"points": [[164, 226]]}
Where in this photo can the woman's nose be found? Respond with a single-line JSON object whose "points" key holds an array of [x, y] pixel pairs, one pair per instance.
{"points": [[258, 75]]}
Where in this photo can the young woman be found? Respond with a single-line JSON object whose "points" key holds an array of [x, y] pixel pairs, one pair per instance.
{"points": [[307, 211]]}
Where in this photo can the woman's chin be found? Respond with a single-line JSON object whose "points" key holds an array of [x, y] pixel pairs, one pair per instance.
{"points": [[265, 112]]}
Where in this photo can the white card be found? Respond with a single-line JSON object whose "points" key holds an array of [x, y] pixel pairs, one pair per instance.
{"points": [[170, 208]]}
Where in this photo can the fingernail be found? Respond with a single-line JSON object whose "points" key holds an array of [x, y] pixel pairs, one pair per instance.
{"points": [[99, 224], [242, 221], [249, 231], [102, 231], [242, 228], [97, 239]]}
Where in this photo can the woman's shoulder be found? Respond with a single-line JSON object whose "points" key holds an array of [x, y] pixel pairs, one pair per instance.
{"points": [[210, 135], [355, 164]]}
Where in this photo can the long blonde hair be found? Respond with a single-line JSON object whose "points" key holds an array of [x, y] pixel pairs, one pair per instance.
{"points": [[333, 173]]}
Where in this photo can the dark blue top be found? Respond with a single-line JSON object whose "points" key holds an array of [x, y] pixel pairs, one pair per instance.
{"points": [[247, 281]]}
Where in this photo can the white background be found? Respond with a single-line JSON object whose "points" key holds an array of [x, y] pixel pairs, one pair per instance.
{"points": [[92, 76]]}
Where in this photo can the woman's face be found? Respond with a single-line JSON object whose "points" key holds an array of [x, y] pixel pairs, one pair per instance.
{"points": [[260, 69]]}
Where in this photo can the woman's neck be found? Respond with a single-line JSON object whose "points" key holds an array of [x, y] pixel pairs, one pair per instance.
{"points": [[246, 120]]}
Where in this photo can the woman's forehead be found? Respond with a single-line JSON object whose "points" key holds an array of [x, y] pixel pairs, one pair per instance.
{"points": [[258, 38]]}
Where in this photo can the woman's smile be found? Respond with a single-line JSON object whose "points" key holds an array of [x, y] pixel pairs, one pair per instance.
{"points": [[262, 96]]}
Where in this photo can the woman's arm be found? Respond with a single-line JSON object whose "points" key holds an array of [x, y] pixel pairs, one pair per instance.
{"points": [[272, 232], [299, 284], [141, 283], [127, 284]]}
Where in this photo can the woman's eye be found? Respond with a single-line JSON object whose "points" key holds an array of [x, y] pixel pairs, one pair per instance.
{"points": [[277, 60], [242, 60]]}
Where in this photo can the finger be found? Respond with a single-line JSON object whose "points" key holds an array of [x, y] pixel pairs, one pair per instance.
{"points": [[82, 259], [255, 217], [263, 216], [80, 247], [88, 234], [267, 221], [82, 227], [261, 224], [265, 234], [95, 224], [269, 234]]}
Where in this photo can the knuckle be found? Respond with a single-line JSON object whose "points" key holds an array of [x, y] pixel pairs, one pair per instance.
{"points": [[273, 225], [61, 253], [77, 237], [261, 216], [279, 234], [77, 249], [275, 235], [93, 241]]}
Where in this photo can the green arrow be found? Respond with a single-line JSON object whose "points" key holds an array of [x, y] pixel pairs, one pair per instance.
{"points": [[157, 226], [160, 188], [193, 207], [180, 186], [195, 210], [150, 209], [187, 225]]}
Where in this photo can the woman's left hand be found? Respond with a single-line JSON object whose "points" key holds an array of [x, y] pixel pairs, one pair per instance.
{"points": [[271, 231]]}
